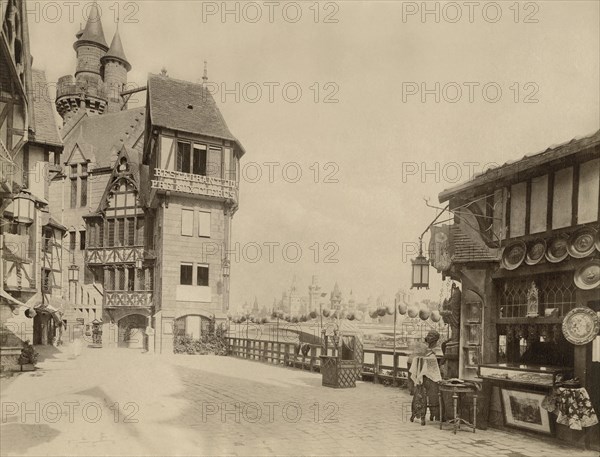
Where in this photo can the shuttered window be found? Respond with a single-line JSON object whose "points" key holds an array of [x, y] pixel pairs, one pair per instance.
{"points": [[204, 224]]}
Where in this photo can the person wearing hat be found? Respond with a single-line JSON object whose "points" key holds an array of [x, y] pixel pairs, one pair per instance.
{"points": [[425, 373]]}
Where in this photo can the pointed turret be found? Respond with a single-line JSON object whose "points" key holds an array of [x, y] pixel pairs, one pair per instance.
{"points": [[93, 33], [116, 51], [116, 67]]}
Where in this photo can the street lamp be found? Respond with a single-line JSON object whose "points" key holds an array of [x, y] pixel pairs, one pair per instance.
{"points": [[226, 268], [420, 269], [73, 273], [22, 208]]}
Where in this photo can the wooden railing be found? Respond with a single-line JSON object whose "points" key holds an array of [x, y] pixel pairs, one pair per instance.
{"points": [[116, 254], [120, 298], [287, 354]]}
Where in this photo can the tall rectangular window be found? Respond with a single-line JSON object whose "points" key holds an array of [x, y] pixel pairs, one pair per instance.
{"points": [[110, 227], [140, 231], [130, 279], [84, 190], [202, 275], [130, 231], [538, 204], [140, 280], [185, 274], [72, 241], [187, 222], [518, 207], [121, 278], [121, 232], [214, 162], [82, 240], [204, 224], [587, 197], [100, 242], [199, 160], [562, 206], [183, 157], [73, 192]]}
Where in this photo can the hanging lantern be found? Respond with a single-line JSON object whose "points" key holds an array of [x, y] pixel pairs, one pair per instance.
{"points": [[420, 270], [74, 273], [326, 312], [381, 312], [23, 208], [413, 311], [313, 314], [424, 314]]}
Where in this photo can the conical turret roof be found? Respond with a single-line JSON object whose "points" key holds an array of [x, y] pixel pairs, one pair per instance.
{"points": [[116, 51], [93, 32]]}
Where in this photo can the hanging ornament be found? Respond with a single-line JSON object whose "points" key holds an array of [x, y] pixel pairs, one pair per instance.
{"points": [[402, 308]]}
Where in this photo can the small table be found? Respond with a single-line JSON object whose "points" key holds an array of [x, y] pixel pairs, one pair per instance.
{"points": [[457, 420]]}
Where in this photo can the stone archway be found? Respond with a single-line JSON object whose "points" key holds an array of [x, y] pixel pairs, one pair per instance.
{"points": [[131, 331], [192, 325]]}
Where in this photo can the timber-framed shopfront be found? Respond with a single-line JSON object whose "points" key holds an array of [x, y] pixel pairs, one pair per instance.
{"points": [[525, 247]]}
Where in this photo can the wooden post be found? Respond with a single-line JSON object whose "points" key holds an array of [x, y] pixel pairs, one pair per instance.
{"points": [[376, 363]]}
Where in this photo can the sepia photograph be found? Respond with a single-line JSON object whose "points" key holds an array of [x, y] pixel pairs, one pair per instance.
{"points": [[299, 228]]}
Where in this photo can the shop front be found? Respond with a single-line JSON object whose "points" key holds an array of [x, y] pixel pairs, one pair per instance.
{"points": [[525, 249]]}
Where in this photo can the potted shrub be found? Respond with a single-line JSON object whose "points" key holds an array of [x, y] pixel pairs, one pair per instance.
{"points": [[28, 357]]}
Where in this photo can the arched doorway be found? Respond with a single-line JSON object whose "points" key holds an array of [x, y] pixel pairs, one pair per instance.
{"points": [[131, 331], [192, 325]]}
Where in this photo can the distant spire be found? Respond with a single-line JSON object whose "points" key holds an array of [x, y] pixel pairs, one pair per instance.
{"points": [[116, 50], [93, 32], [205, 76]]}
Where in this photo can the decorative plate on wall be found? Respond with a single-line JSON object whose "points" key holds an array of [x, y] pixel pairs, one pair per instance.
{"points": [[581, 243], [514, 255], [587, 276], [536, 252], [581, 325], [557, 249]]}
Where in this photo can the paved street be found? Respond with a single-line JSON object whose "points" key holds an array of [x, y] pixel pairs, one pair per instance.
{"points": [[123, 402]]}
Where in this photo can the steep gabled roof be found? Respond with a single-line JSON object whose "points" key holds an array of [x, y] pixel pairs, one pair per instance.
{"points": [[187, 107], [43, 122], [106, 135], [552, 154]]}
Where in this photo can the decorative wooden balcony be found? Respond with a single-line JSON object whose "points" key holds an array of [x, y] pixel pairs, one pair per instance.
{"points": [[121, 299], [187, 183], [117, 254]]}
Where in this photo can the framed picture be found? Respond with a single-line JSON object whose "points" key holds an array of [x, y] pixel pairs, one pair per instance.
{"points": [[524, 410]]}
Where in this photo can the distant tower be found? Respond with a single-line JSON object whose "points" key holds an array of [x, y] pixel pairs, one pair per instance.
{"points": [[314, 295], [336, 297], [115, 66], [87, 87], [351, 302]]}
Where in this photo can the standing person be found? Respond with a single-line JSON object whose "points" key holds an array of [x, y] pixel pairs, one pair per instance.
{"points": [[425, 373], [77, 341]]}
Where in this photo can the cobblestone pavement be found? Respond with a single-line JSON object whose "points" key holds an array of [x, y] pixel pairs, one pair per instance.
{"points": [[123, 402]]}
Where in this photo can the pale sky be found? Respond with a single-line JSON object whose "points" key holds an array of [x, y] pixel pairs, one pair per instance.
{"points": [[369, 61]]}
